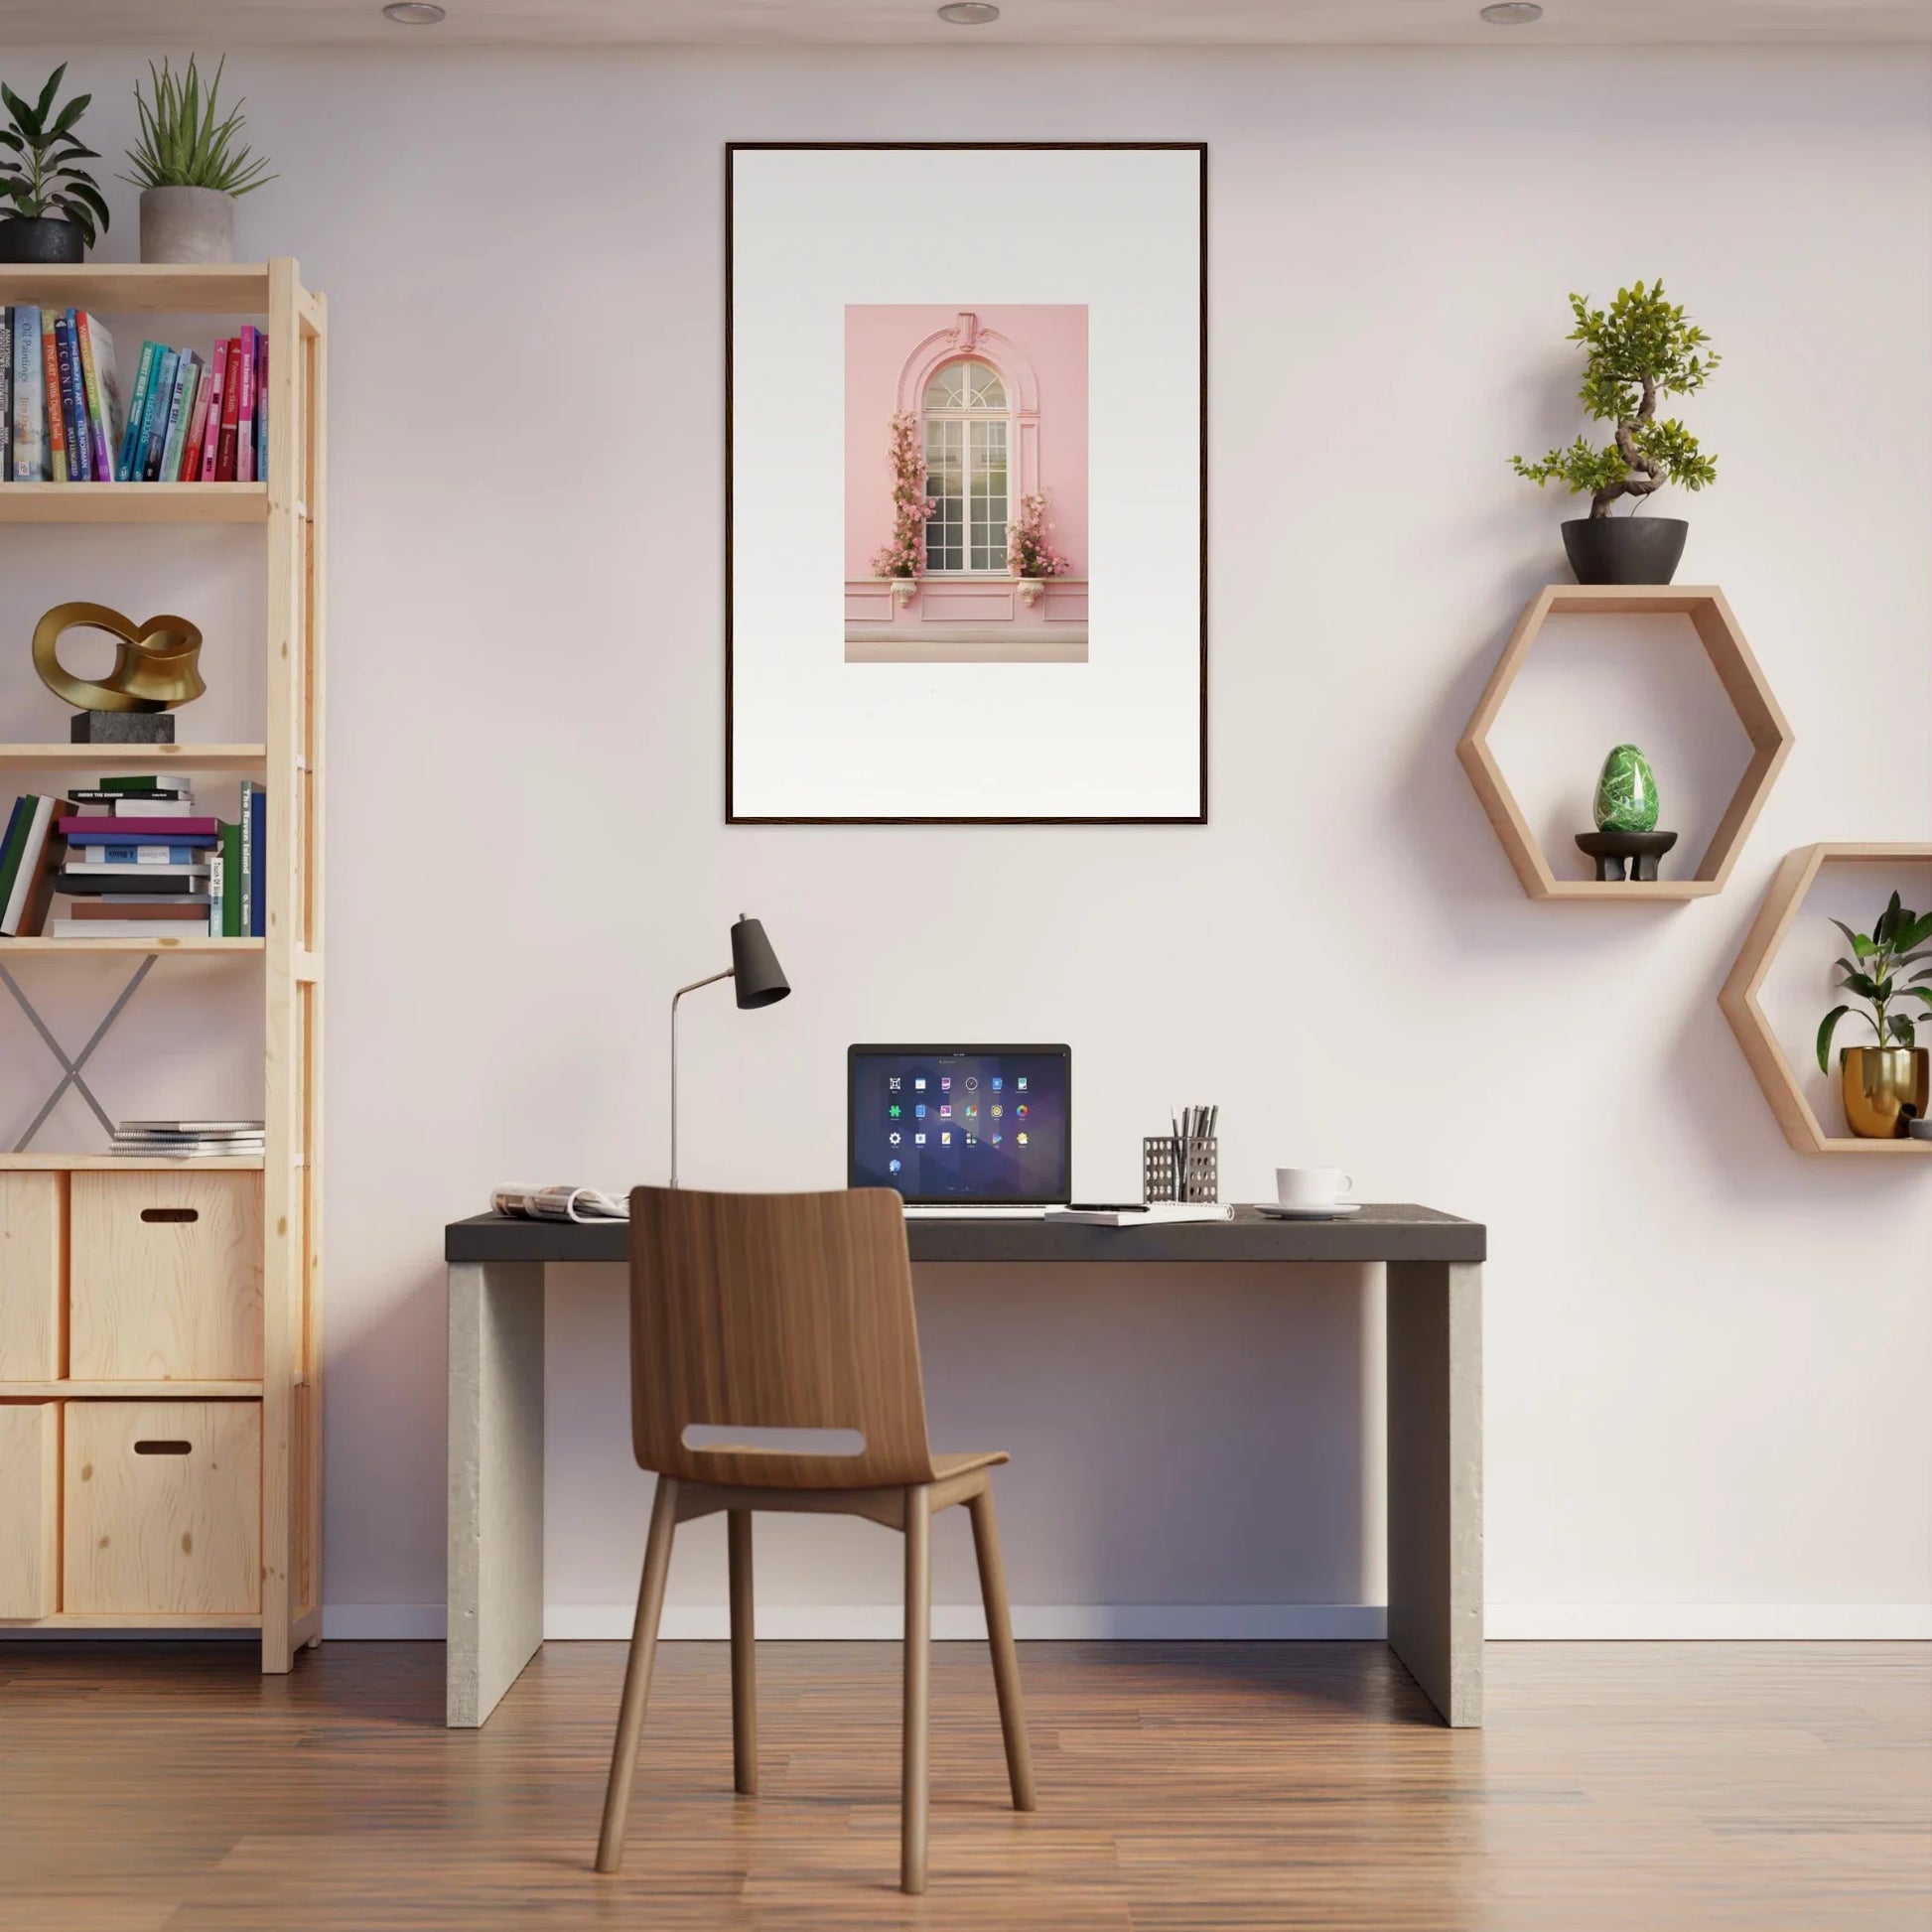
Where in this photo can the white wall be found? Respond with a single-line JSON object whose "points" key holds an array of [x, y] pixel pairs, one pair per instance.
{"points": [[1707, 1358]]}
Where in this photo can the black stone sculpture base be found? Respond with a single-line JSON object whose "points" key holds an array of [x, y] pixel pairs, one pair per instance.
{"points": [[122, 728], [1611, 849]]}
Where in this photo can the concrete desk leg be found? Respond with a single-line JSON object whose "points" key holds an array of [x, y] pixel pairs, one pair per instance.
{"points": [[1434, 1351], [495, 1588]]}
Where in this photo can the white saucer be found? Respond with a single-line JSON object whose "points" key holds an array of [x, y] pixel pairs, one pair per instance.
{"points": [[1271, 1211]]}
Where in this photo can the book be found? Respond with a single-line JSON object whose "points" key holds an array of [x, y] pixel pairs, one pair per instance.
{"points": [[125, 929], [244, 467], [74, 410], [147, 796], [103, 392], [140, 781], [137, 406], [178, 831], [30, 407], [196, 1127], [6, 394], [1156, 1214], [218, 370], [134, 855], [230, 894], [56, 420], [17, 822], [144, 906], [154, 430], [230, 405], [119, 806], [255, 845], [189, 466], [143, 882], [178, 410], [261, 405], [34, 875]]}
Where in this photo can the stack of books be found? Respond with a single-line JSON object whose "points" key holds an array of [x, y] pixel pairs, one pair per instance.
{"points": [[187, 1140], [137, 862], [189, 418]]}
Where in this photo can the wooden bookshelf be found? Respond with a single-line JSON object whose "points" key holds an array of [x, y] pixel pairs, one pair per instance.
{"points": [[287, 510]]}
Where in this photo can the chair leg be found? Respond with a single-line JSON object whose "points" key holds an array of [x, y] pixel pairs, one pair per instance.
{"points": [[744, 1669], [636, 1676], [919, 1688], [1005, 1660]]}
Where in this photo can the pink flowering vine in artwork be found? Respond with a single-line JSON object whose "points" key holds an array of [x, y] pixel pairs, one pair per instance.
{"points": [[1029, 548], [904, 556]]}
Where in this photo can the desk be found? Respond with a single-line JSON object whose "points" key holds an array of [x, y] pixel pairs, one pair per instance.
{"points": [[1434, 1412]]}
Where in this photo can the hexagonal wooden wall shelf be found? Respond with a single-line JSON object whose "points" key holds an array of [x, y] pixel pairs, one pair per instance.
{"points": [[1738, 998], [1744, 683]]}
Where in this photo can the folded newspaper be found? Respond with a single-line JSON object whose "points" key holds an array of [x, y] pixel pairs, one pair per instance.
{"points": [[559, 1204]]}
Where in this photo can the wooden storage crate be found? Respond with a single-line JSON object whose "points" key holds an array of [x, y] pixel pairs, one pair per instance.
{"points": [[165, 1280], [162, 1507], [33, 1261], [30, 1521]]}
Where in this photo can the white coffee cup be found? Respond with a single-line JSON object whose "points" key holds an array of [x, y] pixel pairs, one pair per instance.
{"points": [[1311, 1186]]}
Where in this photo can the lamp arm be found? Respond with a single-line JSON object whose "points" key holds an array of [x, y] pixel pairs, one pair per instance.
{"points": [[710, 980]]}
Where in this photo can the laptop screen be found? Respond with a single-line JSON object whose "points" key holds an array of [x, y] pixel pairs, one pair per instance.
{"points": [[965, 1124]]}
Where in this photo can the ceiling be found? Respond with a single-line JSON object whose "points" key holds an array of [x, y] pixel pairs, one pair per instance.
{"points": [[1068, 23]]}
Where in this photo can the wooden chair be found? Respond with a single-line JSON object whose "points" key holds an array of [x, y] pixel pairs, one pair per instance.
{"points": [[790, 1311]]}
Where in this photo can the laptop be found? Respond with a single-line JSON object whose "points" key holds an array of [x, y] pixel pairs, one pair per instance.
{"points": [[962, 1130]]}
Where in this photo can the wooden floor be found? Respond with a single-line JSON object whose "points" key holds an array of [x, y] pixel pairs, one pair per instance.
{"points": [[1664, 1787]]}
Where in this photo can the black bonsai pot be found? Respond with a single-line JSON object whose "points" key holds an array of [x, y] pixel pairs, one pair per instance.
{"points": [[1624, 549], [40, 238]]}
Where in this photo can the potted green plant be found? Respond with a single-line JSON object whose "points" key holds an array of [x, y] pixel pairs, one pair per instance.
{"points": [[1885, 1085], [187, 168], [54, 211], [1639, 350]]}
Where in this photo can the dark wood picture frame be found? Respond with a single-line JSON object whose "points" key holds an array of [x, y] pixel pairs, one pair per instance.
{"points": [[731, 150]]}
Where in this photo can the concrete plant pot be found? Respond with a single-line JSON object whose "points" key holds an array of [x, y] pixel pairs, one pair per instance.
{"points": [[187, 225]]}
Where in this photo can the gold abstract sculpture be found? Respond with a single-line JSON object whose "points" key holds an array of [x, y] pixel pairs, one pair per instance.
{"points": [[154, 662]]}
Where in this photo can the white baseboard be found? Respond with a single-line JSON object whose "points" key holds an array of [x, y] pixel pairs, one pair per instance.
{"points": [[1707, 1622], [1198, 1622]]}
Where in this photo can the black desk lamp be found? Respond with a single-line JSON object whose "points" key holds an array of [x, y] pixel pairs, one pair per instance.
{"points": [[760, 981]]}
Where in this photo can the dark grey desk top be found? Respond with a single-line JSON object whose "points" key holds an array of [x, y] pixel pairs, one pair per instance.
{"points": [[1393, 1232]]}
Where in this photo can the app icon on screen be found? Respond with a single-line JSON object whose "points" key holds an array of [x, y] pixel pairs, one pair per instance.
{"points": [[918, 1140], [998, 1083], [945, 1083], [997, 1110], [918, 1083], [1020, 1083], [945, 1140], [972, 1112], [893, 1166], [891, 1083], [945, 1111], [972, 1082], [918, 1110], [892, 1138], [1021, 1110], [893, 1110], [996, 1140], [1021, 1137]]}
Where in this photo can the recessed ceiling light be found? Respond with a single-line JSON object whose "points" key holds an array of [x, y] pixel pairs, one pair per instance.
{"points": [[413, 13], [1513, 13], [969, 12]]}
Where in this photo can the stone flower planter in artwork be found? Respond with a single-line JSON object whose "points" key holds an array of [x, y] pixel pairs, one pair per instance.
{"points": [[905, 588], [1031, 589]]}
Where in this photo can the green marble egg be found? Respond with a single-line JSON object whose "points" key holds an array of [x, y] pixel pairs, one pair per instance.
{"points": [[1626, 792]]}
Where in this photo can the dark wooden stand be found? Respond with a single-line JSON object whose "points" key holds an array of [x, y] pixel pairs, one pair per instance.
{"points": [[1611, 849]]}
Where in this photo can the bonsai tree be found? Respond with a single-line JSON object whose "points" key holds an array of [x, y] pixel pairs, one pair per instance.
{"points": [[37, 150], [1637, 350], [182, 144], [1897, 940]]}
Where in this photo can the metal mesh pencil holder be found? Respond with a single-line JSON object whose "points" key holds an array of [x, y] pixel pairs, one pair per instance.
{"points": [[1179, 1170]]}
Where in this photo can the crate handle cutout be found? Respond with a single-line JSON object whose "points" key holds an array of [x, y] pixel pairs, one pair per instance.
{"points": [[163, 1446], [746, 1440], [171, 1213]]}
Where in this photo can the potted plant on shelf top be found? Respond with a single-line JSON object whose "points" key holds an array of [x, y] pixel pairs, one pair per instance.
{"points": [[1639, 350], [187, 168], [54, 211], [1885, 1085], [1030, 555]]}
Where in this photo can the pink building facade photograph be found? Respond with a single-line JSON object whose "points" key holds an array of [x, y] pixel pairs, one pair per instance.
{"points": [[966, 484]]}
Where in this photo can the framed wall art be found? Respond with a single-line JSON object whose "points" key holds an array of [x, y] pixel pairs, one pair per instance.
{"points": [[966, 482]]}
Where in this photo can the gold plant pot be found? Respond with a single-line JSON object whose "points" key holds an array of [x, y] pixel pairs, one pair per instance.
{"points": [[1884, 1088]]}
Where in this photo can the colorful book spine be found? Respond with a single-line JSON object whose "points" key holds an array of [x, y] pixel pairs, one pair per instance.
{"points": [[257, 864], [30, 412], [244, 460], [189, 466], [57, 416], [98, 374], [231, 408], [261, 405], [155, 430], [179, 411], [73, 404], [154, 831], [226, 882], [218, 370], [5, 395], [17, 823], [32, 880], [137, 855], [137, 403]]}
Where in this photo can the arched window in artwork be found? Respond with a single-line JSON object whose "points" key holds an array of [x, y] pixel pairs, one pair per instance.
{"points": [[966, 441]]}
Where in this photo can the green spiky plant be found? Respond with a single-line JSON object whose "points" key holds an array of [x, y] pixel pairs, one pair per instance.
{"points": [[1639, 350], [1898, 939], [38, 150], [183, 145]]}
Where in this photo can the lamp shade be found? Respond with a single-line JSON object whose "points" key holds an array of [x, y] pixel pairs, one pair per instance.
{"points": [[757, 977]]}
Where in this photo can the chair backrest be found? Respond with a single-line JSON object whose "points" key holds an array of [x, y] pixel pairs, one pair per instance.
{"points": [[774, 1311]]}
